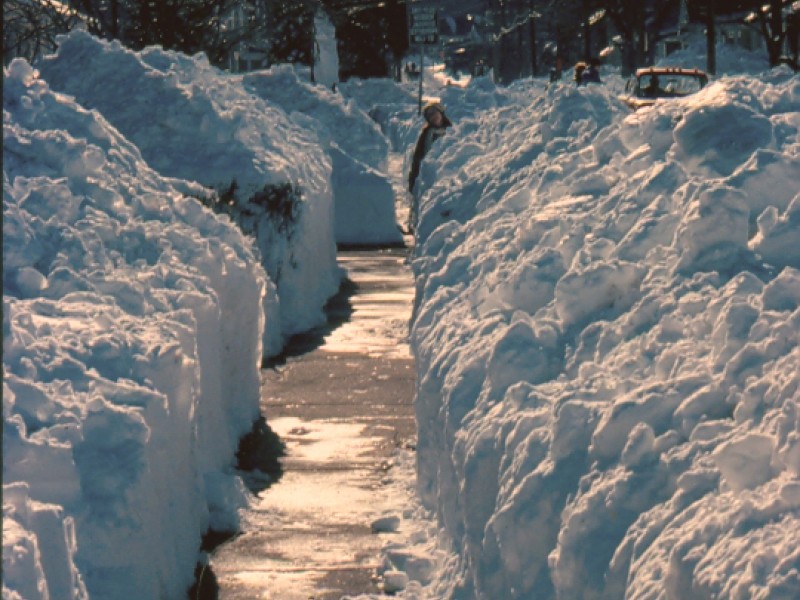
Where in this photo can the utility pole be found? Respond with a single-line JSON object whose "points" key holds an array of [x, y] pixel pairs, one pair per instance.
{"points": [[532, 16], [422, 30], [421, 77], [587, 31]]}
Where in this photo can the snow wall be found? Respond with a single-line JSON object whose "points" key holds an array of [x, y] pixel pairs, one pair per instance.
{"points": [[362, 191], [607, 342], [194, 122], [132, 319]]}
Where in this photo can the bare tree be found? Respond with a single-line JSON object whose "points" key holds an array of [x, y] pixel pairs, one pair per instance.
{"points": [[639, 25], [773, 18], [30, 27], [558, 22], [188, 26]]}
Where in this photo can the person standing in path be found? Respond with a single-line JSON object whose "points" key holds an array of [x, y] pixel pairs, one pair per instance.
{"points": [[436, 123]]}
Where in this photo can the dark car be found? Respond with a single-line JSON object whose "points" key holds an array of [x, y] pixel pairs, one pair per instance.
{"points": [[651, 83]]}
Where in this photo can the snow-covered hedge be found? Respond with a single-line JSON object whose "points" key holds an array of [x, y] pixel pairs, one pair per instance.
{"points": [[132, 319], [194, 122], [607, 344], [363, 195], [388, 104]]}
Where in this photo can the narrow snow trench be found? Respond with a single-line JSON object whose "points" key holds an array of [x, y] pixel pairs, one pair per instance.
{"points": [[341, 403]]}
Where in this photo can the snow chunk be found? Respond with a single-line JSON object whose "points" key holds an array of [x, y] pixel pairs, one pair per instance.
{"points": [[745, 461]]}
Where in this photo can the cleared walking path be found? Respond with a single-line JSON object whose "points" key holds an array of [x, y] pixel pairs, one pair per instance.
{"points": [[342, 404]]}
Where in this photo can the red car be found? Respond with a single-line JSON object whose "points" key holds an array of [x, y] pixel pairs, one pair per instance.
{"points": [[651, 83]]}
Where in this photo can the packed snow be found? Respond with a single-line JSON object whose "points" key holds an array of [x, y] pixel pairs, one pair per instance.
{"points": [[357, 149], [132, 319], [606, 337], [606, 325], [135, 319]]}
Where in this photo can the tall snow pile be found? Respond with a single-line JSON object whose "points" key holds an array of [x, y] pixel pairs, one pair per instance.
{"points": [[326, 59], [132, 319], [388, 104], [362, 191], [194, 122], [607, 343]]}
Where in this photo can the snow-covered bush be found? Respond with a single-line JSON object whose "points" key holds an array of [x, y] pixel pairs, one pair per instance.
{"points": [[192, 121], [357, 149]]}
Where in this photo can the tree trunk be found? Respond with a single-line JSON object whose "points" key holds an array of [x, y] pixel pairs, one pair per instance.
{"points": [[711, 37], [793, 36], [587, 32], [629, 19], [532, 34], [775, 43], [115, 19], [628, 58]]}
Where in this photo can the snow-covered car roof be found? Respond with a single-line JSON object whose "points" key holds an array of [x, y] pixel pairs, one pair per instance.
{"points": [[644, 88], [670, 71]]}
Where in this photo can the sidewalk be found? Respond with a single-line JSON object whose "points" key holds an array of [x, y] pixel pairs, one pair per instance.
{"points": [[342, 409]]}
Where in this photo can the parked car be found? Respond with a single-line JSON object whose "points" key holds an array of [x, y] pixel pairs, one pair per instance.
{"points": [[651, 83]]}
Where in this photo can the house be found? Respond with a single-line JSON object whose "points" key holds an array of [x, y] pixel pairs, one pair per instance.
{"points": [[247, 54]]}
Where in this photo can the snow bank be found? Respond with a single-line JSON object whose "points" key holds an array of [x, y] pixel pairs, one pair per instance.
{"points": [[363, 195], [194, 122], [731, 59], [395, 108], [132, 319], [607, 343], [389, 104], [326, 58]]}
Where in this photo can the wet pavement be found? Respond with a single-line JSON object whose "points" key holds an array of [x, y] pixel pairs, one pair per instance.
{"points": [[340, 400]]}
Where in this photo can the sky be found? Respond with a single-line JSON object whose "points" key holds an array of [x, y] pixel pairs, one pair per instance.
{"points": [[606, 324]]}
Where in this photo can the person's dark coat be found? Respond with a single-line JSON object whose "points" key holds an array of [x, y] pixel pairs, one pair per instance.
{"points": [[427, 136], [590, 75]]}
